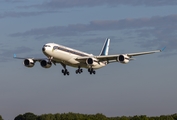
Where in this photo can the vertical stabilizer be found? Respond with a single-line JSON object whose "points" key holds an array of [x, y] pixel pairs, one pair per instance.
{"points": [[105, 48]]}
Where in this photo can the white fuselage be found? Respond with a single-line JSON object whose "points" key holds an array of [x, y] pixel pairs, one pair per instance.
{"points": [[67, 56]]}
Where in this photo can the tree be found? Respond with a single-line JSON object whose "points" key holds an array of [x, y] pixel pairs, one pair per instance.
{"points": [[47, 117], [26, 116], [142, 117], [57, 116], [166, 117], [20, 117], [1, 117], [30, 116], [100, 116], [123, 118], [174, 116]]}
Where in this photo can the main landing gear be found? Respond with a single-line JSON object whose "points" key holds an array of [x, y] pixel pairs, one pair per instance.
{"points": [[91, 71], [64, 71], [79, 70]]}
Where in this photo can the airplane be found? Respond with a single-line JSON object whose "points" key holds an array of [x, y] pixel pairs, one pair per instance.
{"points": [[66, 56]]}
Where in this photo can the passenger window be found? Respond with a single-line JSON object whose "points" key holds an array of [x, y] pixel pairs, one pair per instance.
{"points": [[55, 47]]}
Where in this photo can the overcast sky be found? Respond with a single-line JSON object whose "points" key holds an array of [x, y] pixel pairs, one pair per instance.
{"points": [[145, 86]]}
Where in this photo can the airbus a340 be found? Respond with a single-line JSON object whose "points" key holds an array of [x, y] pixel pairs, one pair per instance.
{"points": [[70, 57]]}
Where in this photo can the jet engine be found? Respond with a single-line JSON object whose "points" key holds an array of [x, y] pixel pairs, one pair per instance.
{"points": [[28, 62], [123, 59], [46, 64], [90, 61]]}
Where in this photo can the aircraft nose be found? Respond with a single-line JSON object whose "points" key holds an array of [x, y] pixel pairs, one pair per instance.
{"points": [[43, 49]]}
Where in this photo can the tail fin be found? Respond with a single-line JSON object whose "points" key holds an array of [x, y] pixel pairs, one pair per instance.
{"points": [[105, 48]]}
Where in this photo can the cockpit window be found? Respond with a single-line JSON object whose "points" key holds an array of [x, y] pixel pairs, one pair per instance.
{"points": [[55, 47], [46, 45]]}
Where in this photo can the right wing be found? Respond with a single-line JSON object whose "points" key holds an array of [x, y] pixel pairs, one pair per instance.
{"points": [[35, 59], [29, 62]]}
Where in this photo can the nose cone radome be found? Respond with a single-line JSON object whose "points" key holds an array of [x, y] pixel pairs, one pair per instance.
{"points": [[43, 49]]}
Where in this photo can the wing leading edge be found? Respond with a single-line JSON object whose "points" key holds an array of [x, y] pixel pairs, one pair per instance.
{"points": [[114, 58], [34, 59]]}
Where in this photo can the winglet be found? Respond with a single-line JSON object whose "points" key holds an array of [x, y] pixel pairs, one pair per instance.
{"points": [[163, 49], [15, 55]]}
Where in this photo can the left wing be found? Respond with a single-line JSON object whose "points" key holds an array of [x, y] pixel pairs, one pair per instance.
{"points": [[129, 55], [123, 58]]}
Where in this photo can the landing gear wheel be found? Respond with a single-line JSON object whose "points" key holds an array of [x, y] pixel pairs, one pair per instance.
{"points": [[79, 70], [65, 72], [91, 71]]}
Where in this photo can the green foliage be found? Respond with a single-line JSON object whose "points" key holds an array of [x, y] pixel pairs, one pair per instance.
{"points": [[26, 116], [78, 116], [123, 118], [47, 117], [20, 117], [1, 117], [167, 117], [142, 117], [174, 116]]}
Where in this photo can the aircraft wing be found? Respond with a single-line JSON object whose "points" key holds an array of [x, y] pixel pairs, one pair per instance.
{"points": [[34, 59], [130, 55], [113, 58], [143, 53]]}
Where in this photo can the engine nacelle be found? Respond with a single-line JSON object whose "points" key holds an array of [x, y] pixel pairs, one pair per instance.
{"points": [[28, 62], [91, 61], [123, 59], [46, 64]]}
